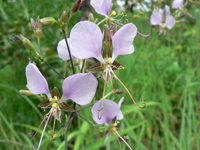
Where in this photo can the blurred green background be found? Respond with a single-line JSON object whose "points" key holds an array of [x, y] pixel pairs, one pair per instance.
{"points": [[164, 71]]}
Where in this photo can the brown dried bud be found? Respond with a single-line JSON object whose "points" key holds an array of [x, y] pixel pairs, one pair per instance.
{"points": [[47, 21], [76, 6], [118, 91], [37, 27]]}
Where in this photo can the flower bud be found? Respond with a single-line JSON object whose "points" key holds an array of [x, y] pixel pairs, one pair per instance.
{"points": [[25, 92], [91, 17], [27, 43], [76, 6], [47, 21], [64, 17], [63, 20]]}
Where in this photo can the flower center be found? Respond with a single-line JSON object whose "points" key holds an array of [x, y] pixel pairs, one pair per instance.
{"points": [[108, 60], [54, 99]]}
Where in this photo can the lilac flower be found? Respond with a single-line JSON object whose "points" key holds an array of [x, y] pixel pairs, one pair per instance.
{"points": [[79, 87], [108, 112], [163, 19], [177, 4], [91, 44], [102, 6]]}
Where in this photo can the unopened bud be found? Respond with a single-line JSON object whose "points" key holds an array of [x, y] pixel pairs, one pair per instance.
{"points": [[25, 92], [118, 91], [27, 43], [76, 6], [63, 20], [96, 21], [91, 17], [47, 21], [64, 17]]}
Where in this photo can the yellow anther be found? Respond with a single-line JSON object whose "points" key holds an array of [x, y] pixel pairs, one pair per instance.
{"points": [[54, 99], [113, 13], [51, 99]]}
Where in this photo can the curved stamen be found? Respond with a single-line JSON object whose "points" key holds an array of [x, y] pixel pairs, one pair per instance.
{"points": [[100, 113], [144, 34], [137, 31], [122, 139], [51, 112], [127, 91]]}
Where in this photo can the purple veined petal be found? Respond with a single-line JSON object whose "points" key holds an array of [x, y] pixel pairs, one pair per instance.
{"points": [[102, 6], [177, 4], [110, 110], [62, 50], [156, 18], [166, 10], [120, 116], [170, 22], [86, 40], [123, 39], [37, 84], [80, 88]]}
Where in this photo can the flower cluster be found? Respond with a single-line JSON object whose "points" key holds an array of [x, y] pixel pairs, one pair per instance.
{"points": [[88, 41], [163, 19]]}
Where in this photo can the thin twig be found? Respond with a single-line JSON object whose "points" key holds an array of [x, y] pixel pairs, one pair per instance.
{"points": [[46, 63], [70, 56]]}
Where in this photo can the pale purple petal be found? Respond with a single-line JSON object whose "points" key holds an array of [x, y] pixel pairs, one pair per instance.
{"points": [[170, 22], [120, 116], [80, 88], [123, 39], [166, 10], [156, 18], [177, 4], [86, 40], [109, 112], [63, 51], [37, 84], [101, 6]]}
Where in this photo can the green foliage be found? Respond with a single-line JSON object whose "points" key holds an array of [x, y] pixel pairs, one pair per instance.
{"points": [[163, 71]]}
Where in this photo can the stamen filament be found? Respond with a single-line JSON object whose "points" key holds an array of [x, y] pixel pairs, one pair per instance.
{"points": [[102, 21], [44, 130], [127, 91], [38, 128], [123, 140]]}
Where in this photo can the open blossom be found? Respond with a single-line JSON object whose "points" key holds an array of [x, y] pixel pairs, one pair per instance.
{"points": [[91, 44], [163, 19], [79, 87], [86, 40], [177, 4], [102, 6], [108, 112]]}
